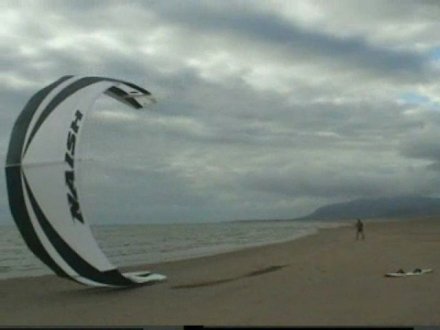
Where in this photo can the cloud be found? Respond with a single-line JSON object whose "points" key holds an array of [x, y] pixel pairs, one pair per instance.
{"points": [[293, 41], [423, 144], [265, 109]]}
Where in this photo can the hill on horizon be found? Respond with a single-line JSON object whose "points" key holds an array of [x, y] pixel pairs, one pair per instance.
{"points": [[401, 206]]}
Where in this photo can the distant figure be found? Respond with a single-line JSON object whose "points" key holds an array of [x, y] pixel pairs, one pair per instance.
{"points": [[359, 229]]}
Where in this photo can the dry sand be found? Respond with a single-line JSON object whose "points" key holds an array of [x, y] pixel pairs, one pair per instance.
{"points": [[325, 279]]}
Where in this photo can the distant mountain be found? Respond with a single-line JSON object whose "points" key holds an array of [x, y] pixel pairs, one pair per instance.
{"points": [[406, 206]]}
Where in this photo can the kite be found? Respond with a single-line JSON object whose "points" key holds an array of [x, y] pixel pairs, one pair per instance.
{"points": [[41, 175]]}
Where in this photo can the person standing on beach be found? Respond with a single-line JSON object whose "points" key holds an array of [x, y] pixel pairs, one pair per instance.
{"points": [[359, 229]]}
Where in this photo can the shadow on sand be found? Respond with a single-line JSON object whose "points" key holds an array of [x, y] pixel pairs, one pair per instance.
{"points": [[221, 281]]}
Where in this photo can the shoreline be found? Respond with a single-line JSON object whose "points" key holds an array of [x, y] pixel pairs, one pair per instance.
{"points": [[327, 278], [203, 252]]}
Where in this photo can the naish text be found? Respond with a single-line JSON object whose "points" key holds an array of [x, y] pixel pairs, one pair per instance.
{"points": [[69, 157]]}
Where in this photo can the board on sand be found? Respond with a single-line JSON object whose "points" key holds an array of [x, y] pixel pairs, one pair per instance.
{"points": [[413, 273], [145, 277]]}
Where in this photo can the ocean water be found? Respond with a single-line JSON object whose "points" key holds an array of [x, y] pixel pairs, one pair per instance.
{"points": [[127, 245]]}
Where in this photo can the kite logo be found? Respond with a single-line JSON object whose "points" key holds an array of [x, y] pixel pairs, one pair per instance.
{"points": [[69, 157]]}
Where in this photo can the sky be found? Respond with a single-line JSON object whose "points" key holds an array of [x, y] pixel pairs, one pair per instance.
{"points": [[266, 109]]}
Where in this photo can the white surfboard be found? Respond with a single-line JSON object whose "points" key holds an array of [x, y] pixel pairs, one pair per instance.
{"points": [[413, 273]]}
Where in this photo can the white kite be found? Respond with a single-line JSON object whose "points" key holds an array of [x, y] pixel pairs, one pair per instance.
{"points": [[41, 172]]}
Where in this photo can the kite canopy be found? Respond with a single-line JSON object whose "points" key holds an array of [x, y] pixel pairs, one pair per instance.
{"points": [[41, 172]]}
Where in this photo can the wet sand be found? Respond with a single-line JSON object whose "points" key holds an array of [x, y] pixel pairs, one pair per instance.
{"points": [[324, 279]]}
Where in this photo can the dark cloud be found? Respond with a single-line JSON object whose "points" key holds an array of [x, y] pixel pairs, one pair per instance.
{"points": [[423, 145], [423, 149], [349, 53]]}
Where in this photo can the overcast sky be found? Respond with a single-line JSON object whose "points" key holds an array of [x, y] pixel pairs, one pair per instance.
{"points": [[266, 109]]}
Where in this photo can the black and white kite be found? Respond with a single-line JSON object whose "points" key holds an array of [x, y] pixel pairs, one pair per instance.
{"points": [[41, 169]]}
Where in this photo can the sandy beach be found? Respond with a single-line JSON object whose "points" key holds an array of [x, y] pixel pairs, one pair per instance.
{"points": [[324, 279]]}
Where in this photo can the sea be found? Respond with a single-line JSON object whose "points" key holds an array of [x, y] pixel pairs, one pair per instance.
{"points": [[130, 245]]}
